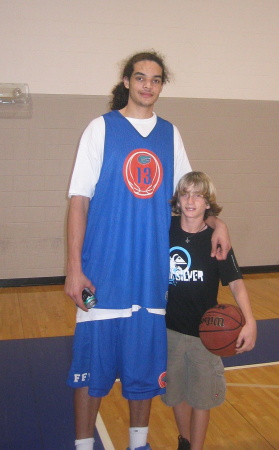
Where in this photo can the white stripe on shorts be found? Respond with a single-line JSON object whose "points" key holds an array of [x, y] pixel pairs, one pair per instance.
{"points": [[103, 314]]}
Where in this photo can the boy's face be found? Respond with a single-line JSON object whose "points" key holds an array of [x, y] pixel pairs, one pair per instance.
{"points": [[145, 84], [192, 204]]}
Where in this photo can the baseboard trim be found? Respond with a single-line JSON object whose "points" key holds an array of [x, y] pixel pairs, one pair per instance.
{"points": [[260, 269], [40, 281], [48, 281]]}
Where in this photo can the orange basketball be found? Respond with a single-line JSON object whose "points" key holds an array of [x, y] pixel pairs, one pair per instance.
{"points": [[220, 327]]}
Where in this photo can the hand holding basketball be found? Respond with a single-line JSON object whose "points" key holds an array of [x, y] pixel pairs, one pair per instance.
{"points": [[220, 328], [247, 337]]}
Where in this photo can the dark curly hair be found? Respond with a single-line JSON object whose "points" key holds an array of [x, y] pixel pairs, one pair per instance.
{"points": [[120, 93]]}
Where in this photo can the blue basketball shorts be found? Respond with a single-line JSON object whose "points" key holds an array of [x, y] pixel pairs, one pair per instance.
{"points": [[133, 349]]}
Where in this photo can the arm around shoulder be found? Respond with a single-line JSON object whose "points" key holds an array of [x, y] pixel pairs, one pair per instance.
{"points": [[221, 243]]}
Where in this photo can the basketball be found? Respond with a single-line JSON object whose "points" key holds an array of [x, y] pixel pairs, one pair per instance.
{"points": [[220, 327]]}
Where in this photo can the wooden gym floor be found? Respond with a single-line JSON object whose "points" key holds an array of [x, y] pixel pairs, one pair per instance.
{"points": [[249, 418]]}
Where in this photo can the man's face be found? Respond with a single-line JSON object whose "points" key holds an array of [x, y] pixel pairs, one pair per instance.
{"points": [[145, 84]]}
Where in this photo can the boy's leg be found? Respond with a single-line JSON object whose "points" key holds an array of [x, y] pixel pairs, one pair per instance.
{"points": [[86, 410], [182, 414], [192, 424], [199, 424]]}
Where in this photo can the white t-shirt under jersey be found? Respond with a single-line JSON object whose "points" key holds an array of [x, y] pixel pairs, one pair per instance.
{"points": [[91, 151]]}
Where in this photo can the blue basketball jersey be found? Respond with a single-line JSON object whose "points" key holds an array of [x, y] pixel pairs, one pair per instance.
{"points": [[126, 246]]}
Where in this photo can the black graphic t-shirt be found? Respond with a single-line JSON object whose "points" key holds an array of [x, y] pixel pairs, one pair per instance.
{"points": [[194, 278]]}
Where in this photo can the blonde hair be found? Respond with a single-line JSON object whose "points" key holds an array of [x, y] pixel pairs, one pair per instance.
{"points": [[202, 185]]}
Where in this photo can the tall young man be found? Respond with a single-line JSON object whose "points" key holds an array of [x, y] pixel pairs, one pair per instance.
{"points": [[128, 162]]}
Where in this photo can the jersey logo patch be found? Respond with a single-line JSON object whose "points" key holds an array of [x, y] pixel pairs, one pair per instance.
{"points": [[162, 380], [142, 173]]}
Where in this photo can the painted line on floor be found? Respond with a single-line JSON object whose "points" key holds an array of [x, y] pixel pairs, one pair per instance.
{"points": [[263, 386], [103, 433], [252, 366]]}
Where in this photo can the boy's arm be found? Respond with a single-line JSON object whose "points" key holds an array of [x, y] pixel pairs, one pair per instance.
{"points": [[76, 281], [247, 337], [220, 240]]}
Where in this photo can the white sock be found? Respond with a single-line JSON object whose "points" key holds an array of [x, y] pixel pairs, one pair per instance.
{"points": [[84, 444], [138, 437]]}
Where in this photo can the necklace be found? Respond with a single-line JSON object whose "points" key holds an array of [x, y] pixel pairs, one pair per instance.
{"points": [[187, 240]]}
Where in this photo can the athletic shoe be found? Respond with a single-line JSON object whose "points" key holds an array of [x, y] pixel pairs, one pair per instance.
{"points": [[183, 444], [145, 447]]}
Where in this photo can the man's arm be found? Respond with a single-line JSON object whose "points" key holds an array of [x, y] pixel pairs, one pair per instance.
{"points": [[76, 281], [221, 242]]}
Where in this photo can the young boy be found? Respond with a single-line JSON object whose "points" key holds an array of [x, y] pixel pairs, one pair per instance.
{"points": [[195, 377]]}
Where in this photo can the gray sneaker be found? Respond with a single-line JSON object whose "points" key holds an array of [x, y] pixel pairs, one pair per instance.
{"points": [[183, 444]]}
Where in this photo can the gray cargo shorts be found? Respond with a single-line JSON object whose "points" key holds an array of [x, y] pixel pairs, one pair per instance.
{"points": [[194, 375]]}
